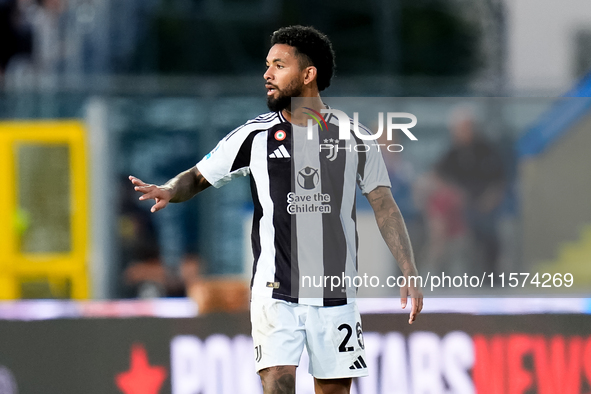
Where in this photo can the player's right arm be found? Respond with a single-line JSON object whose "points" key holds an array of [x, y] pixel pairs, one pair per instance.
{"points": [[181, 188], [228, 160]]}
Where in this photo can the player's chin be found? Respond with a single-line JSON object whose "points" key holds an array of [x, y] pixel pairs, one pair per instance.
{"points": [[276, 103]]}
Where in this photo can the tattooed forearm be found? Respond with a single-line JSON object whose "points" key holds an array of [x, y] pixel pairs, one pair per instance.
{"points": [[186, 185], [393, 229]]}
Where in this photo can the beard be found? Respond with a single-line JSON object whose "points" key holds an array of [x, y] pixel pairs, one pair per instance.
{"points": [[283, 100]]}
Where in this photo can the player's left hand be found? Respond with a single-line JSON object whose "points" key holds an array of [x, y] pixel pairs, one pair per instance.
{"points": [[416, 295]]}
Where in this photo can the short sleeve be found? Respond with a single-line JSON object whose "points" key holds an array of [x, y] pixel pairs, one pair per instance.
{"points": [[229, 159], [371, 171]]}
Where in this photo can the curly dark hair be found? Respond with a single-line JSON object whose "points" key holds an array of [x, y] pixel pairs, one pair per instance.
{"points": [[313, 48]]}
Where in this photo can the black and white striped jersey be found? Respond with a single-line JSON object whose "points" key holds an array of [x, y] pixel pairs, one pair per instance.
{"points": [[303, 188]]}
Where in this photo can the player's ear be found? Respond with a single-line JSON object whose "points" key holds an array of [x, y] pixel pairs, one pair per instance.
{"points": [[310, 74]]}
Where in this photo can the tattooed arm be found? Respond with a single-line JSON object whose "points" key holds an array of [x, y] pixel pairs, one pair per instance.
{"points": [[393, 229], [180, 188]]}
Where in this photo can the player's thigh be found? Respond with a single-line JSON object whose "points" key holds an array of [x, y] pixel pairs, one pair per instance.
{"points": [[334, 338], [278, 332], [332, 386], [278, 379]]}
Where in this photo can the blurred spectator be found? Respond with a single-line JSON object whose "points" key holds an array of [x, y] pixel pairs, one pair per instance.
{"points": [[48, 42], [446, 246], [15, 32], [42, 28], [474, 165]]}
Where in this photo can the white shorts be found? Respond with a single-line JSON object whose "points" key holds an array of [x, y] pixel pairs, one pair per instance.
{"points": [[332, 335]]}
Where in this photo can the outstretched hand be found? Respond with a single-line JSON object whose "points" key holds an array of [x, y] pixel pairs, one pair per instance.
{"points": [[416, 295], [159, 194]]}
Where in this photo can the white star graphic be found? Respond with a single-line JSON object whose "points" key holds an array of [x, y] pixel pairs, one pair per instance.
{"points": [[336, 141], [325, 141], [331, 140]]}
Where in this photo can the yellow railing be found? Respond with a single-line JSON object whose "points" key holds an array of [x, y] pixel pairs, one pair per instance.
{"points": [[27, 210]]}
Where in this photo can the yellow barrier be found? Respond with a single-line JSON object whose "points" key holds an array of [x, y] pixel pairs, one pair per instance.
{"points": [[44, 212]]}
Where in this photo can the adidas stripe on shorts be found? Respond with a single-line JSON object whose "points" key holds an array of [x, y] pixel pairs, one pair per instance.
{"points": [[332, 335]]}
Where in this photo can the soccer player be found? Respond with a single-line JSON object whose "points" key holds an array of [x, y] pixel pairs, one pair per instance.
{"points": [[304, 219]]}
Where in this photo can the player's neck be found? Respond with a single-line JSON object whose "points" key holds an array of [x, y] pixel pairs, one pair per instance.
{"points": [[296, 116]]}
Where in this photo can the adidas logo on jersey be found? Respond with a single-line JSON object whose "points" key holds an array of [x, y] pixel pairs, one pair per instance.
{"points": [[280, 153], [358, 364]]}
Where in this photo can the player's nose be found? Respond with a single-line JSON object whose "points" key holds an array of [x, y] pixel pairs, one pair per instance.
{"points": [[268, 75]]}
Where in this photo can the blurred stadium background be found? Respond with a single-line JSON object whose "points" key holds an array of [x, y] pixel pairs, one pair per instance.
{"points": [[92, 91]]}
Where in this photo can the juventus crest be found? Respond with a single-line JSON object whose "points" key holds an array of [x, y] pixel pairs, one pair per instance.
{"points": [[332, 146]]}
